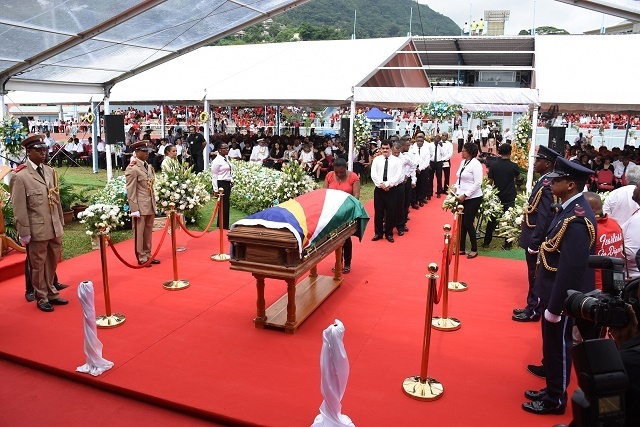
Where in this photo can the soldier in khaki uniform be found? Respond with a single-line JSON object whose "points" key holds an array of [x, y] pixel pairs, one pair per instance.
{"points": [[142, 201], [38, 216]]}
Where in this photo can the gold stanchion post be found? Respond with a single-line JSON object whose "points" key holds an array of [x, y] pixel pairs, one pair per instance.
{"points": [[109, 320], [455, 285], [175, 284], [446, 323], [422, 387], [221, 256]]}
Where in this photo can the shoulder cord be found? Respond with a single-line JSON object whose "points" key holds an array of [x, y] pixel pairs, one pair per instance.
{"points": [[553, 244], [54, 193], [531, 208]]}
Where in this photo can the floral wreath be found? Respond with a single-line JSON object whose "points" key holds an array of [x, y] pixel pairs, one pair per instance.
{"points": [[90, 118], [204, 116], [481, 114], [12, 132], [439, 110]]}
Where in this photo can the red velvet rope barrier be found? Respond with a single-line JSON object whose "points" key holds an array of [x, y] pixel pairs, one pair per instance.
{"points": [[443, 282], [122, 260], [206, 230]]}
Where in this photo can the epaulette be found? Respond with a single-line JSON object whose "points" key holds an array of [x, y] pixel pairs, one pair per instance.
{"points": [[546, 182], [20, 167], [579, 211], [133, 162]]}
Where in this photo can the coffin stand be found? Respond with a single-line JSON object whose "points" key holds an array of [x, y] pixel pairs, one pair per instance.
{"points": [[274, 253]]}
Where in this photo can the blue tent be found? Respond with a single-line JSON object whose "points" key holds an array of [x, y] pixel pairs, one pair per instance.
{"points": [[376, 114]]}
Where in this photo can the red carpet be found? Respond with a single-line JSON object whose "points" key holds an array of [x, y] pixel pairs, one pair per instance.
{"points": [[197, 350]]}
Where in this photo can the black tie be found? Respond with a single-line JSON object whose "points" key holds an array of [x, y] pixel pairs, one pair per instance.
{"points": [[435, 155], [419, 150], [386, 166], [41, 172], [146, 166]]}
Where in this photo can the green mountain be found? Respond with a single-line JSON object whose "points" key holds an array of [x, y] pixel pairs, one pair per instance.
{"points": [[333, 20]]}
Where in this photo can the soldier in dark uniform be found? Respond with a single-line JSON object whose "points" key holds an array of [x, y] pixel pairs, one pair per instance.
{"points": [[562, 265], [537, 214]]}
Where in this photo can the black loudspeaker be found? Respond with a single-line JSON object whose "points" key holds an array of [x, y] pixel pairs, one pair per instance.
{"points": [[556, 139], [113, 128], [345, 129], [25, 123]]}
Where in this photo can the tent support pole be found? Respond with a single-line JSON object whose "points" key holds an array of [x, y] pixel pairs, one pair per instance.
{"points": [[162, 121], [626, 132], [352, 118], [532, 148], [207, 150], [278, 120], [95, 132], [107, 110]]}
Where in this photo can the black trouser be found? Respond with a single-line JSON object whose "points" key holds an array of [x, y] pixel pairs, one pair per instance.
{"points": [[226, 186], [347, 252], [435, 170], [532, 309], [557, 341], [421, 185], [384, 204], [460, 144], [408, 194], [471, 207], [446, 172], [493, 222], [401, 216]]}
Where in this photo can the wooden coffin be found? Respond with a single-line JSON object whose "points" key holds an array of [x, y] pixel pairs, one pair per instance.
{"points": [[274, 252]]}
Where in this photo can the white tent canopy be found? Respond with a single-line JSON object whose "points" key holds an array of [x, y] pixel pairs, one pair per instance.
{"points": [[588, 73], [311, 73]]}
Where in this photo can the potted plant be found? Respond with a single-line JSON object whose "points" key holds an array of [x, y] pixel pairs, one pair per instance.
{"points": [[80, 201], [66, 197]]}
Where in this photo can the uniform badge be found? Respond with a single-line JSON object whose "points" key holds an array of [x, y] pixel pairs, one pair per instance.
{"points": [[19, 168], [578, 210], [546, 182]]}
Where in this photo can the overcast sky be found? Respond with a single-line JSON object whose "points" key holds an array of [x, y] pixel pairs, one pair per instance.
{"points": [[552, 13]]}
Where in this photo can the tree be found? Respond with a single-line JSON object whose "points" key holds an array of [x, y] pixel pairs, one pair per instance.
{"points": [[544, 30]]}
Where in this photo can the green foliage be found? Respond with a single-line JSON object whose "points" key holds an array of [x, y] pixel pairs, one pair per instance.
{"points": [[67, 195], [331, 20], [7, 211], [540, 31]]}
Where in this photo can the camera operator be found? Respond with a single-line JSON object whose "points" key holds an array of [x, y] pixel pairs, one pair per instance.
{"points": [[628, 340], [562, 266]]}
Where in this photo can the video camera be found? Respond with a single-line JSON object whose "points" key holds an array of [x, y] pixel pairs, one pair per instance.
{"points": [[606, 308]]}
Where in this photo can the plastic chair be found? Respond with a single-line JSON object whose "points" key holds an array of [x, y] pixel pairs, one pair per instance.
{"points": [[605, 180]]}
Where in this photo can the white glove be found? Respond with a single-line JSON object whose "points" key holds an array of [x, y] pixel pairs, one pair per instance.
{"points": [[24, 240], [531, 251], [550, 317], [135, 214]]}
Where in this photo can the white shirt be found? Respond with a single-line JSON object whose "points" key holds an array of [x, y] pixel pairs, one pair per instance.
{"points": [[259, 153], [220, 171], [234, 153], [50, 142], [395, 171], [619, 168], [631, 233], [101, 147], [409, 166], [476, 134], [469, 179], [458, 134], [484, 132], [306, 158], [619, 205], [421, 155], [508, 136]]}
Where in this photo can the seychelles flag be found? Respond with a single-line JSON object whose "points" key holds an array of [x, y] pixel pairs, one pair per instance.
{"points": [[312, 216]]}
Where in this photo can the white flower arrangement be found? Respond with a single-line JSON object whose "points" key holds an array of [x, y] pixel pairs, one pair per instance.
{"points": [[361, 130], [114, 193], [522, 141], [12, 133], [491, 206], [101, 218], [450, 203], [256, 187], [481, 114], [510, 225], [180, 188], [439, 110]]}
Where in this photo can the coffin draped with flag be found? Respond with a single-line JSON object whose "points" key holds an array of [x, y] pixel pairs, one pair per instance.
{"points": [[289, 233]]}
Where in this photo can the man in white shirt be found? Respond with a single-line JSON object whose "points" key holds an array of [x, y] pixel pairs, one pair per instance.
{"points": [[260, 152], [631, 233], [50, 141], [484, 135], [221, 177], [400, 150], [422, 157], [476, 137], [386, 174], [508, 136], [101, 148], [620, 166], [458, 136], [619, 205], [446, 154]]}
